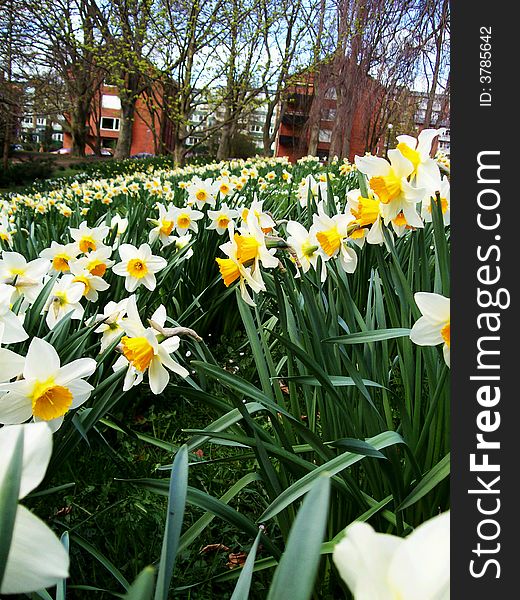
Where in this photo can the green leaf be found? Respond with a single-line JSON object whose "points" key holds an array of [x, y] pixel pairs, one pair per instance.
{"points": [[109, 566], [439, 472], [294, 577], [9, 491], [142, 587], [241, 591], [61, 587], [364, 337], [172, 530], [332, 467]]}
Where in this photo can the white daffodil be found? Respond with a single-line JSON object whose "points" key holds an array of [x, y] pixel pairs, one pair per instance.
{"points": [[225, 186], [388, 180], [425, 169], [6, 231], [142, 351], [96, 262], [138, 266], [332, 235], [232, 268], [264, 220], [60, 255], [11, 364], [433, 327], [164, 225], [121, 225], [379, 566], [307, 248], [220, 219], [64, 298], [444, 192], [309, 186], [185, 219], [201, 192], [93, 284], [25, 277], [89, 238], [47, 391], [36, 558], [366, 223], [11, 325], [112, 322]]}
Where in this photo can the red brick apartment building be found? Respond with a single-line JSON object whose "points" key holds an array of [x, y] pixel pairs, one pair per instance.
{"points": [[293, 135], [151, 131]]}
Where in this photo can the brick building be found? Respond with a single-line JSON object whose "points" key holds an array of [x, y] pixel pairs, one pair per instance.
{"points": [[293, 136], [152, 131]]}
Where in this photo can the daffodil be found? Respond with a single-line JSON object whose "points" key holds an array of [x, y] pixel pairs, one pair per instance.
{"points": [[60, 255], [425, 169], [36, 559], [11, 325], [306, 247], [433, 327], [233, 268], [96, 262], [64, 298], [112, 322], [332, 235], [365, 222], [388, 180], [220, 219], [379, 566], [143, 352], [47, 391], [93, 283], [185, 219], [443, 188], [138, 266], [164, 225], [25, 277], [309, 186], [201, 192], [89, 238]]}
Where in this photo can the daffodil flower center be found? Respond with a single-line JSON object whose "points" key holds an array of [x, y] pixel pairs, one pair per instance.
{"points": [[166, 227], [247, 248], [330, 240], [183, 221], [201, 195], [97, 268], [223, 222], [445, 332], [60, 262], [387, 188], [82, 279], [138, 351], [137, 268], [229, 270], [367, 211], [49, 400], [86, 244], [224, 189]]}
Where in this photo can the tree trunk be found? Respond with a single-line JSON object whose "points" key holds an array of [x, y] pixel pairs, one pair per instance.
{"points": [[124, 141]]}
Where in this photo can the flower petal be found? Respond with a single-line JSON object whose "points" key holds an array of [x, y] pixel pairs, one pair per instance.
{"points": [[420, 567], [37, 559], [42, 361], [433, 306], [362, 558], [426, 333]]}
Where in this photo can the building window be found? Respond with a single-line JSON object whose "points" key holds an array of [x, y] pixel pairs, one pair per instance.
{"points": [[109, 101], [27, 121], [110, 123], [58, 137], [41, 121], [325, 135]]}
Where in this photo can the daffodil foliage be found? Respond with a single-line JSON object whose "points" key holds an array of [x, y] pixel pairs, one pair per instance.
{"points": [[337, 273]]}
